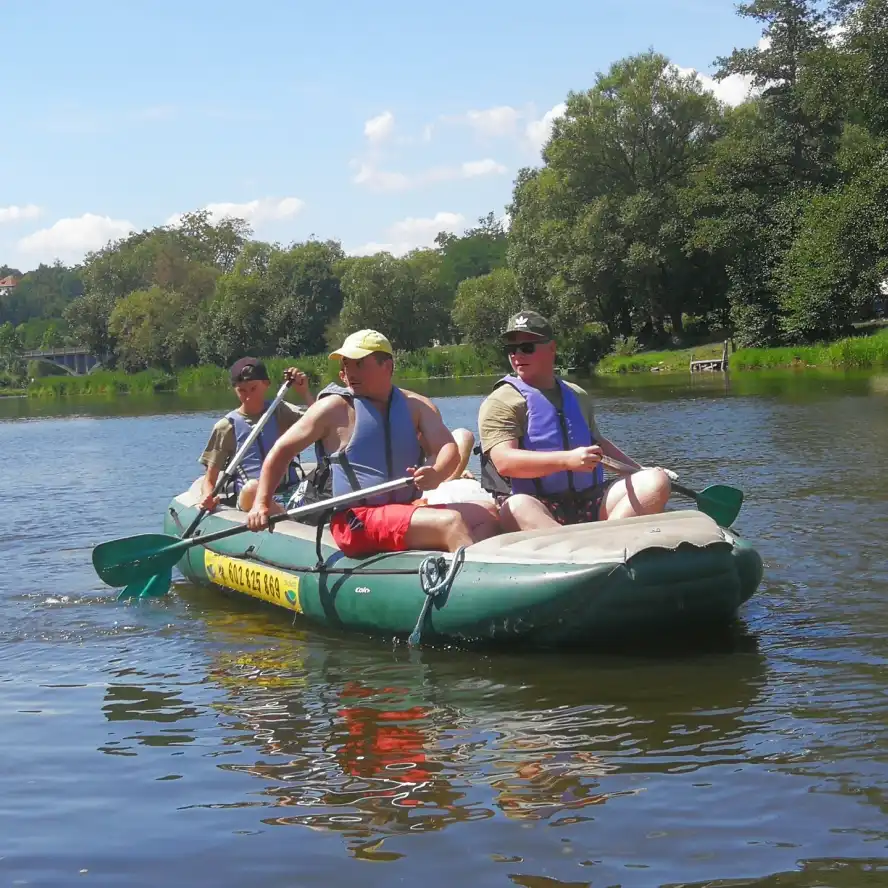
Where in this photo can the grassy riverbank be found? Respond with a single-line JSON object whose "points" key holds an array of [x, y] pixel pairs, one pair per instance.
{"points": [[459, 361], [450, 361], [856, 352], [671, 361]]}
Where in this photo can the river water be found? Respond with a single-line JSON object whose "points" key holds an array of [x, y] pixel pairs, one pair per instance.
{"points": [[194, 740]]}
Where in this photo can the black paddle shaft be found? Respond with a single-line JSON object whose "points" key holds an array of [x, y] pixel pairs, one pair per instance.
{"points": [[684, 491], [321, 506]]}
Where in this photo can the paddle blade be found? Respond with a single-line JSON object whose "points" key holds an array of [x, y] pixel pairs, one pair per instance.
{"points": [[156, 587], [135, 559], [721, 503]]}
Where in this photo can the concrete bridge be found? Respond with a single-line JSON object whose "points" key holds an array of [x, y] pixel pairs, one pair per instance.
{"points": [[76, 359]]}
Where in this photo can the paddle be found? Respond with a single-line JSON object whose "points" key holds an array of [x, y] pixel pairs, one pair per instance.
{"points": [[228, 472], [152, 556], [719, 501], [158, 585]]}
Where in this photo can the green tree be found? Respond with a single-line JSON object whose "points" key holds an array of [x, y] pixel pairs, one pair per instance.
{"points": [[156, 327], [484, 304], [217, 244], [11, 348], [305, 296], [87, 318], [389, 294], [234, 323], [273, 301], [478, 251], [43, 293], [794, 30], [831, 273], [598, 233], [433, 295], [740, 201]]}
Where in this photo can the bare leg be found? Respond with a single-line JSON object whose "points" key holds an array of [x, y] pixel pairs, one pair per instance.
{"points": [[248, 494], [642, 493], [525, 512], [448, 528]]}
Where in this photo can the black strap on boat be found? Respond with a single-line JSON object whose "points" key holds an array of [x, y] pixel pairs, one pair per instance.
{"points": [[322, 523], [175, 516], [322, 568]]}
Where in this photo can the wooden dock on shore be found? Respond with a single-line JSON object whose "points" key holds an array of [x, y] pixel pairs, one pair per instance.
{"points": [[717, 365]]}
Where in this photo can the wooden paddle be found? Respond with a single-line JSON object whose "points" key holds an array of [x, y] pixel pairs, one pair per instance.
{"points": [[719, 501], [150, 557]]}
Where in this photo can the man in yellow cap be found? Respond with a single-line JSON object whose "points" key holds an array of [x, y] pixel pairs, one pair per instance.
{"points": [[370, 430]]}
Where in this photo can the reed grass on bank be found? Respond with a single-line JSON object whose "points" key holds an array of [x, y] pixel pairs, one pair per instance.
{"points": [[854, 353], [457, 361], [665, 361], [454, 361]]}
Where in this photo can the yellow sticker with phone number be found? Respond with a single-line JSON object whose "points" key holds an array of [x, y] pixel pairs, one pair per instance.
{"points": [[256, 580]]}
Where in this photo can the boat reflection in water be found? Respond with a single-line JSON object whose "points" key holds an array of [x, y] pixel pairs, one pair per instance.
{"points": [[373, 744]]}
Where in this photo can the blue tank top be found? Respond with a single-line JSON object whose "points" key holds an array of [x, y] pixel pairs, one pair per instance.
{"points": [[381, 449], [251, 465]]}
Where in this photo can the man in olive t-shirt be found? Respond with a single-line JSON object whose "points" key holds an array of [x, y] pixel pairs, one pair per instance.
{"points": [[503, 428]]}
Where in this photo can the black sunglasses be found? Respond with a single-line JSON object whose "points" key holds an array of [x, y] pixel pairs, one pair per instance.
{"points": [[526, 348]]}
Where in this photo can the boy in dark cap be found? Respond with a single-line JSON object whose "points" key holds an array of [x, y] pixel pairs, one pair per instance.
{"points": [[250, 381]]}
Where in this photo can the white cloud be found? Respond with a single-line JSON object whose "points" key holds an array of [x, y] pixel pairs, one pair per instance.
{"points": [[70, 239], [256, 212], [371, 248], [424, 230], [501, 120], [471, 169], [380, 180], [15, 214], [383, 180], [378, 129], [733, 90], [412, 233], [538, 131]]}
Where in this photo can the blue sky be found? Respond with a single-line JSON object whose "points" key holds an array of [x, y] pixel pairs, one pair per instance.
{"points": [[378, 124]]}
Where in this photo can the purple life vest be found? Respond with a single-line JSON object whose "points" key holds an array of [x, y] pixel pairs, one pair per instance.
{"points": [[548, 429]]}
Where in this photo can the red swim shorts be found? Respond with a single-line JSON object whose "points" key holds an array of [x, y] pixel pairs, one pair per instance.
{"points": [[366, 530]]}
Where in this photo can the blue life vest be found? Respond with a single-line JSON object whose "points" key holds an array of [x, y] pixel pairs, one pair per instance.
{"points": [[549, 429], [332, 388], [251, 465], [381, 448]]}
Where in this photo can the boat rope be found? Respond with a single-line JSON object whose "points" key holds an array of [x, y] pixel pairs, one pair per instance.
{"points": [[251, 554], [436, 580]]}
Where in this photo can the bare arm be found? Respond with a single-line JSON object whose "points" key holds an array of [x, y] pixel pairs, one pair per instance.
{"points": [[207, 500], [317, 422], [299, 382], [438, 442], [513, 462]]}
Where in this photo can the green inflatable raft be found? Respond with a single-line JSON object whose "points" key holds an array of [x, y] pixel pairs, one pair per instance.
{"points": [[565, 587]]}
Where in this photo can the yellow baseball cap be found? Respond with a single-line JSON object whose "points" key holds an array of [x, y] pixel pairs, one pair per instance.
{"points": [[361, 344]]}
